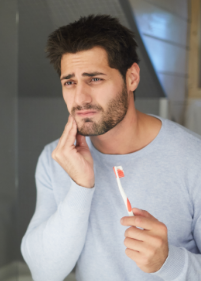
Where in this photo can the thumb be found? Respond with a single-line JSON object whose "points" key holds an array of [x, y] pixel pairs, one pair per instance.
{"points": [[80, 140]]}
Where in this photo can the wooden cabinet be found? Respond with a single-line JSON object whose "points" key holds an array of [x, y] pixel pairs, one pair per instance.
{"points": [[194, 81]]}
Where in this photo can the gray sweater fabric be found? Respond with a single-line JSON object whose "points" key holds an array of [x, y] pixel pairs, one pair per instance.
{"points": [[73, 225]]}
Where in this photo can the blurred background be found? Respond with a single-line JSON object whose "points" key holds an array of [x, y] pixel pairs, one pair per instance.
{"points": [[33, 113]]}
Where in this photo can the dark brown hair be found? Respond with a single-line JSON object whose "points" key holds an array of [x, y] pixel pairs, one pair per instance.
{"points": [[88, 32]]}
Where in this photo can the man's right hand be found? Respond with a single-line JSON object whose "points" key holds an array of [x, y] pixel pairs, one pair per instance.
{"points": [[75, 160]]}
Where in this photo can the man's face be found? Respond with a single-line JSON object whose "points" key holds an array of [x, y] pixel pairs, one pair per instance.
{"points": [[95, 94]]}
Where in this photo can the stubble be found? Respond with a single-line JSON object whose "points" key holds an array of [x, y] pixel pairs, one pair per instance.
{"points": [[114, 114]]}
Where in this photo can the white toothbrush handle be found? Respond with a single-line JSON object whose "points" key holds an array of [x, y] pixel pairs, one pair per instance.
{"points": [[123, 194]]}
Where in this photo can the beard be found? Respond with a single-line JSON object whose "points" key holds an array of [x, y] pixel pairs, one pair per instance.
{"points": [[114, 114]]}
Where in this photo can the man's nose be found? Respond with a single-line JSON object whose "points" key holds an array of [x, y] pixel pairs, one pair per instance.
{"points": [[82, 94]]}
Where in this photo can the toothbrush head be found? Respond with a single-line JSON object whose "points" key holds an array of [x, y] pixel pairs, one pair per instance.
{"points": [[118, 170]]}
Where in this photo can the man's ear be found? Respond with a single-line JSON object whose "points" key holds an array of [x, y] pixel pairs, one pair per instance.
{"points": [[133, 77]]}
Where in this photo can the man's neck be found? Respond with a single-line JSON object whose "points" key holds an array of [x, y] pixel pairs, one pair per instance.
{"points": [[133, 133]]}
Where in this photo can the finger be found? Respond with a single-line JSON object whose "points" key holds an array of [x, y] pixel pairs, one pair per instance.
{"points": [[71, 137], [139, 221], [136, 233], [143, 213], [132, 254], [80, 140], [63, 138], [65, 133], [135, 245]]}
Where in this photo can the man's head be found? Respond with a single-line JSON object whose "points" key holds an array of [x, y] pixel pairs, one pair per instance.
{"points": [[97, 62], [88, 32]]}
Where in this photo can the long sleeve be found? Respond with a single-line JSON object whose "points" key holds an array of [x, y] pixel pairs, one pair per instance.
{"points": [[182, 264], [56, 234]]}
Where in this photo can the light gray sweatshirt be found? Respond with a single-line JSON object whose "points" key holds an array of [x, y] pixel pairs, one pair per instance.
{"points": [[76, 225]]}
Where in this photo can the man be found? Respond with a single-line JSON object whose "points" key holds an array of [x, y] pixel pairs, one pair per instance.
{"points": [[80, 218]]}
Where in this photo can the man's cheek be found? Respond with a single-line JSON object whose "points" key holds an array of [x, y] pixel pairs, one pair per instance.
{"points": [[69, 106]]}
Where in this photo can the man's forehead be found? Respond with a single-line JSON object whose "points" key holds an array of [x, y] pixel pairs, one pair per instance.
{"points": [[96, 55], [88, 52]]}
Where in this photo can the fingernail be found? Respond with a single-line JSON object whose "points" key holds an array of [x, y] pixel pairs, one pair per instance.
{"points": [[121, 221]]}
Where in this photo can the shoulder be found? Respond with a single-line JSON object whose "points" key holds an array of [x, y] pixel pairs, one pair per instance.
{"points": [[51, 146], [45, 158], [48, 149], [181, 140], [180, 132]]}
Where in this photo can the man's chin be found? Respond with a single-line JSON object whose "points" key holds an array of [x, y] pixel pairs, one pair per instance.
{"points": [[88, 129], [90, 132], [87, 134]]}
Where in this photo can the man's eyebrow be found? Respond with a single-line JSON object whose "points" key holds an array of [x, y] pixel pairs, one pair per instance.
{"points": [[91, 74], [69, 76]]}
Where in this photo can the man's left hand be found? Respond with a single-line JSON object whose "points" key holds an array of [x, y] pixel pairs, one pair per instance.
{"points": [[148, 247]]}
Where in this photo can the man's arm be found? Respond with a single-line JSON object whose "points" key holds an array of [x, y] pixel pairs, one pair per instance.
{"points": [[56, 234], [149, 248]]}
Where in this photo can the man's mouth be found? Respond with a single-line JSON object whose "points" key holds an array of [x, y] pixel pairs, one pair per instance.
{"points": [[86, 113]]}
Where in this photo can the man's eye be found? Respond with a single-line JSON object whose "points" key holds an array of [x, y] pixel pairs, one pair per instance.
{"points": [[96, 79], [68, 83]]}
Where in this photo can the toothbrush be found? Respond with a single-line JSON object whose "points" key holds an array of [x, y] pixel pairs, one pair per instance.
{"points": [[119, 173]]}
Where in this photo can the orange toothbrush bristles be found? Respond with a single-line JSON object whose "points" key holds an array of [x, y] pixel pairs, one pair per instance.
{"points": [[129, 206], [119, 172]]}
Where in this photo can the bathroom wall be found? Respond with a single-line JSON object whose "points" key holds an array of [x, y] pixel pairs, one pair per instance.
{"points": [[164, 28], [8, 129]]}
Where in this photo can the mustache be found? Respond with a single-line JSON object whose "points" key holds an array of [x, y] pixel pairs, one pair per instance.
{"points": [[86, 106]]}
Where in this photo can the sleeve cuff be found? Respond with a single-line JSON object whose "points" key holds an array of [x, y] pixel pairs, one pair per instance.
{"points": [[174, 264]]}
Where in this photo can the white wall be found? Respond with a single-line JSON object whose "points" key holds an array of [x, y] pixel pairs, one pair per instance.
{"points": [[164, 29]]}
